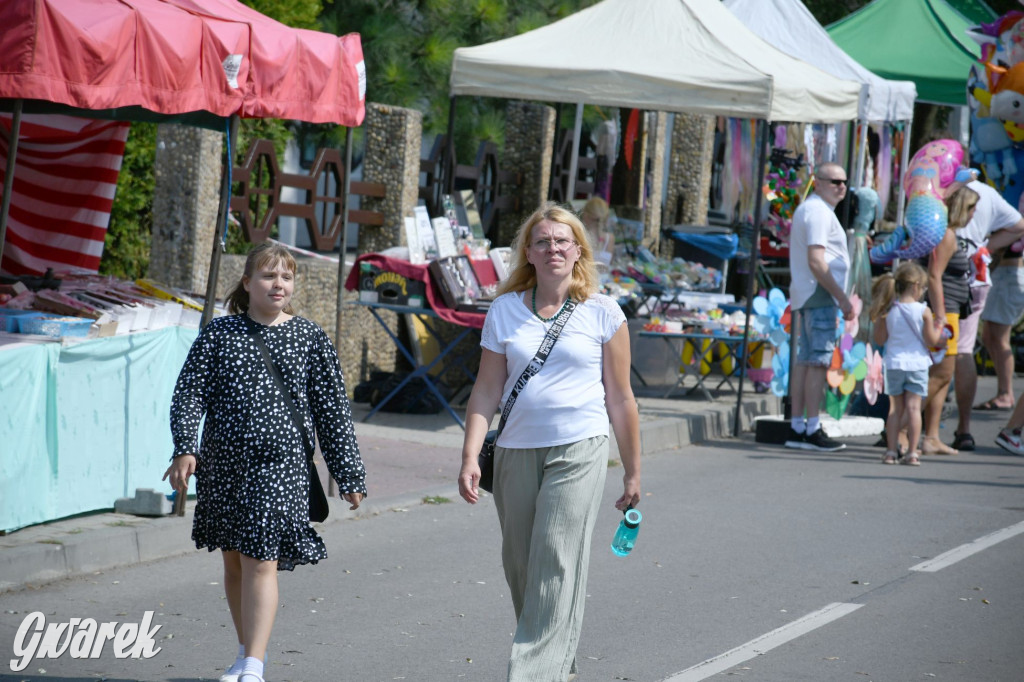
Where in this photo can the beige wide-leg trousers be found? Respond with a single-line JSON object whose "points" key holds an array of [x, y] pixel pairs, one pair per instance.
{"points": [[547, 501]]}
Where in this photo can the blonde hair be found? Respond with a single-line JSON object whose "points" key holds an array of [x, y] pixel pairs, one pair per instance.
{"points": [[267, 254], [960, 204], [885, 288], [596, 208], [584, 273]]}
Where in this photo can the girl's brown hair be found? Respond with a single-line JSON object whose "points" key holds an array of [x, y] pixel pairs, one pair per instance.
{"points": [[886, 288], [960, 204], [267, 254], [584, 273]]}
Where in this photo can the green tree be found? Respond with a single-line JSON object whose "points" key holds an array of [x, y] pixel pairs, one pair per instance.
{"points": [[408, 47]]}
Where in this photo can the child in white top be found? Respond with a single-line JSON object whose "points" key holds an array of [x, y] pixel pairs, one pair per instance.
{"points": [[906, 328]]}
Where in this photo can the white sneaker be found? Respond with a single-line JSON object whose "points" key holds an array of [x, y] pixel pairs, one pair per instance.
{"points": [[1010, 440], [228, 677]]}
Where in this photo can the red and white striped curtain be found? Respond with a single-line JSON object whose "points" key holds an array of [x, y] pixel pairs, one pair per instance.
{"points": [[64, 183]]}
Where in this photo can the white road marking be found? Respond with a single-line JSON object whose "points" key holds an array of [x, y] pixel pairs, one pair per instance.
{"points": [[963, 551], [764, 643]]}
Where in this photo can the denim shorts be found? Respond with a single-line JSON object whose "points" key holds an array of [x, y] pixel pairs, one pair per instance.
{"points": [[899, 381], [817, 340]]}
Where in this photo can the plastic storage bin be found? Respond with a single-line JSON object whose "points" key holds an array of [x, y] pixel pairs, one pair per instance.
{"points": [[9, 318], [54, 327]]}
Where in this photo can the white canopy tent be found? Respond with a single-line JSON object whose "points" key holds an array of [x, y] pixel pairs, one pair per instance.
{"points": [[690, 56], [789, 26], [660, 55]]}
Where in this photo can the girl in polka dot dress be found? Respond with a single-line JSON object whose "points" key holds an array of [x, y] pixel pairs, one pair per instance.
{"points": [[252, 480]]}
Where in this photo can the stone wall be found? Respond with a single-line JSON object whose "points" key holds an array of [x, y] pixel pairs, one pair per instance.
{"points": [[393, 140], [529, 144], [187, 170], [689, 175], [657, 142]]}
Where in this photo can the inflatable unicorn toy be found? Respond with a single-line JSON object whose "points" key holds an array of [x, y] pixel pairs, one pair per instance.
{"points": [[933, 174]]}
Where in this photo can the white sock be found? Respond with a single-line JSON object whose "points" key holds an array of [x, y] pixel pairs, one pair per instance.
{"points": [[236, 667], [798, 424], [813, 423], [253, 666]]}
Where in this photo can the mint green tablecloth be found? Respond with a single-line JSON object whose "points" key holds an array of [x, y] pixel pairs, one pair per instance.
{"points": [[84, 424]]}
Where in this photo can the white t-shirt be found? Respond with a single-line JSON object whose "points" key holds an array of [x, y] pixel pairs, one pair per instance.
{"points": [[905, 348], [564, 402], [993, 213], [815, 224]]}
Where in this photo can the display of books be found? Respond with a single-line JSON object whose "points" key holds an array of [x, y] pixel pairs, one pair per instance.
{"points": [[459, 286]]}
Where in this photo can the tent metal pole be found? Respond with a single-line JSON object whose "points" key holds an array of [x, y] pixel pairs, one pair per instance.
{"points": [[332, 485], [901, 202], [858, 180], [552, 176], [344, 237], [575, 158], [755, 247], [448, 168], [219, 232], [12, 157]]}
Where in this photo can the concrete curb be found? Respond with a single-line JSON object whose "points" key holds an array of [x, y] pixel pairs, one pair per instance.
{"points": [[91, 544]]}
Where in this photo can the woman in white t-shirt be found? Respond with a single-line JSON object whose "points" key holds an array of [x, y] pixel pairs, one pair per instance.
{"points": [[551, 457]]}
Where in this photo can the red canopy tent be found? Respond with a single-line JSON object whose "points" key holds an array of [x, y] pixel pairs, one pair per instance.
{"points": [[200, 62]]}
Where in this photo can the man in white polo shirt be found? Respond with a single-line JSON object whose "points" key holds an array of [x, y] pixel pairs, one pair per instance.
{"points": [[819, 264]]}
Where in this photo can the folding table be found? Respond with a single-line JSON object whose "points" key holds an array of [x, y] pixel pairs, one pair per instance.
{"points": [[733, 346], [428, 318]]}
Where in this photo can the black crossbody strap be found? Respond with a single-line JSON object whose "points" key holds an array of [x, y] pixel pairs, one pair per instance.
{"points": [[538, 360], [293, 409]]}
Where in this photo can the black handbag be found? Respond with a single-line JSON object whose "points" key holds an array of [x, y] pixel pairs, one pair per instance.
{"points": [[486, 456], [318, 506]]}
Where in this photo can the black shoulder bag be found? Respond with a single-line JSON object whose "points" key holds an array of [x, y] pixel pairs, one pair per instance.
{"points": [[318, 507], [486, 458]]}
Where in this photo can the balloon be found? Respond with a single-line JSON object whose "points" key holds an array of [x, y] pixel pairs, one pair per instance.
{"points": [[930, 177]]}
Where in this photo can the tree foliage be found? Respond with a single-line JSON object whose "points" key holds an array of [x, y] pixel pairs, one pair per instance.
{"points": [[408, 47]]}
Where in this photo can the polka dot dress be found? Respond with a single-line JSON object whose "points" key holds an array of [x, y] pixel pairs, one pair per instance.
{"points": [[252, 480]]}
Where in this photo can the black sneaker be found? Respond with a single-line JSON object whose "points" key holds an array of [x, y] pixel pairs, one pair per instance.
{"points": [[795, 440], [822, 443]]}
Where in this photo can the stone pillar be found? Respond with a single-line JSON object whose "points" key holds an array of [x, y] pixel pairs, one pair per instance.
{"points": [[529, 144], [393, 140], [657, 142], [689, 175], [187, 168]]}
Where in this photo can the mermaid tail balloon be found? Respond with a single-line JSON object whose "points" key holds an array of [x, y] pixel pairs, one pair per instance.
{"points": [[932, 174]]}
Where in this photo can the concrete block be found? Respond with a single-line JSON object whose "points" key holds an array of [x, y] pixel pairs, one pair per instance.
{"points": [[101, 549], [34, 563], [147, 502]]}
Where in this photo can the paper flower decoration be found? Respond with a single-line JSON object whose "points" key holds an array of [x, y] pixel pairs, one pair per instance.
{"points": [[771, 317], [771, 320], [874, 381], [851, 327], [780, 370]]}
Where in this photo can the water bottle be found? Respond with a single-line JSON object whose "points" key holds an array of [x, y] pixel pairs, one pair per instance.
{"points": [[625, 534]]}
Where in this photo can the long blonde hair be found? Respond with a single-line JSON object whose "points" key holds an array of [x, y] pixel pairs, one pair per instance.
{"points": [[885, 288], [584, 273], [960, 204], [260, 256]]}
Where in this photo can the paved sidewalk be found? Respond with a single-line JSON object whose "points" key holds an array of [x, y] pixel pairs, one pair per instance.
{"points": [[408, 458]]}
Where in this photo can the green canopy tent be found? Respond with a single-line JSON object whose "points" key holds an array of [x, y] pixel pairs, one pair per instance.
{"points": [[924, 41]]}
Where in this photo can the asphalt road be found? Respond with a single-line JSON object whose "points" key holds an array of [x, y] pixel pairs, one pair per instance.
{"points": [[753, 562]]}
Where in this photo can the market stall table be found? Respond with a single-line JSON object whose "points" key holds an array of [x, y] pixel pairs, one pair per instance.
{"points": [[428, 318], [704, 347]]}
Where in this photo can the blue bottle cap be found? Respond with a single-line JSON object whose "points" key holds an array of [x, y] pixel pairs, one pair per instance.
{"points": [[633, 518]]}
